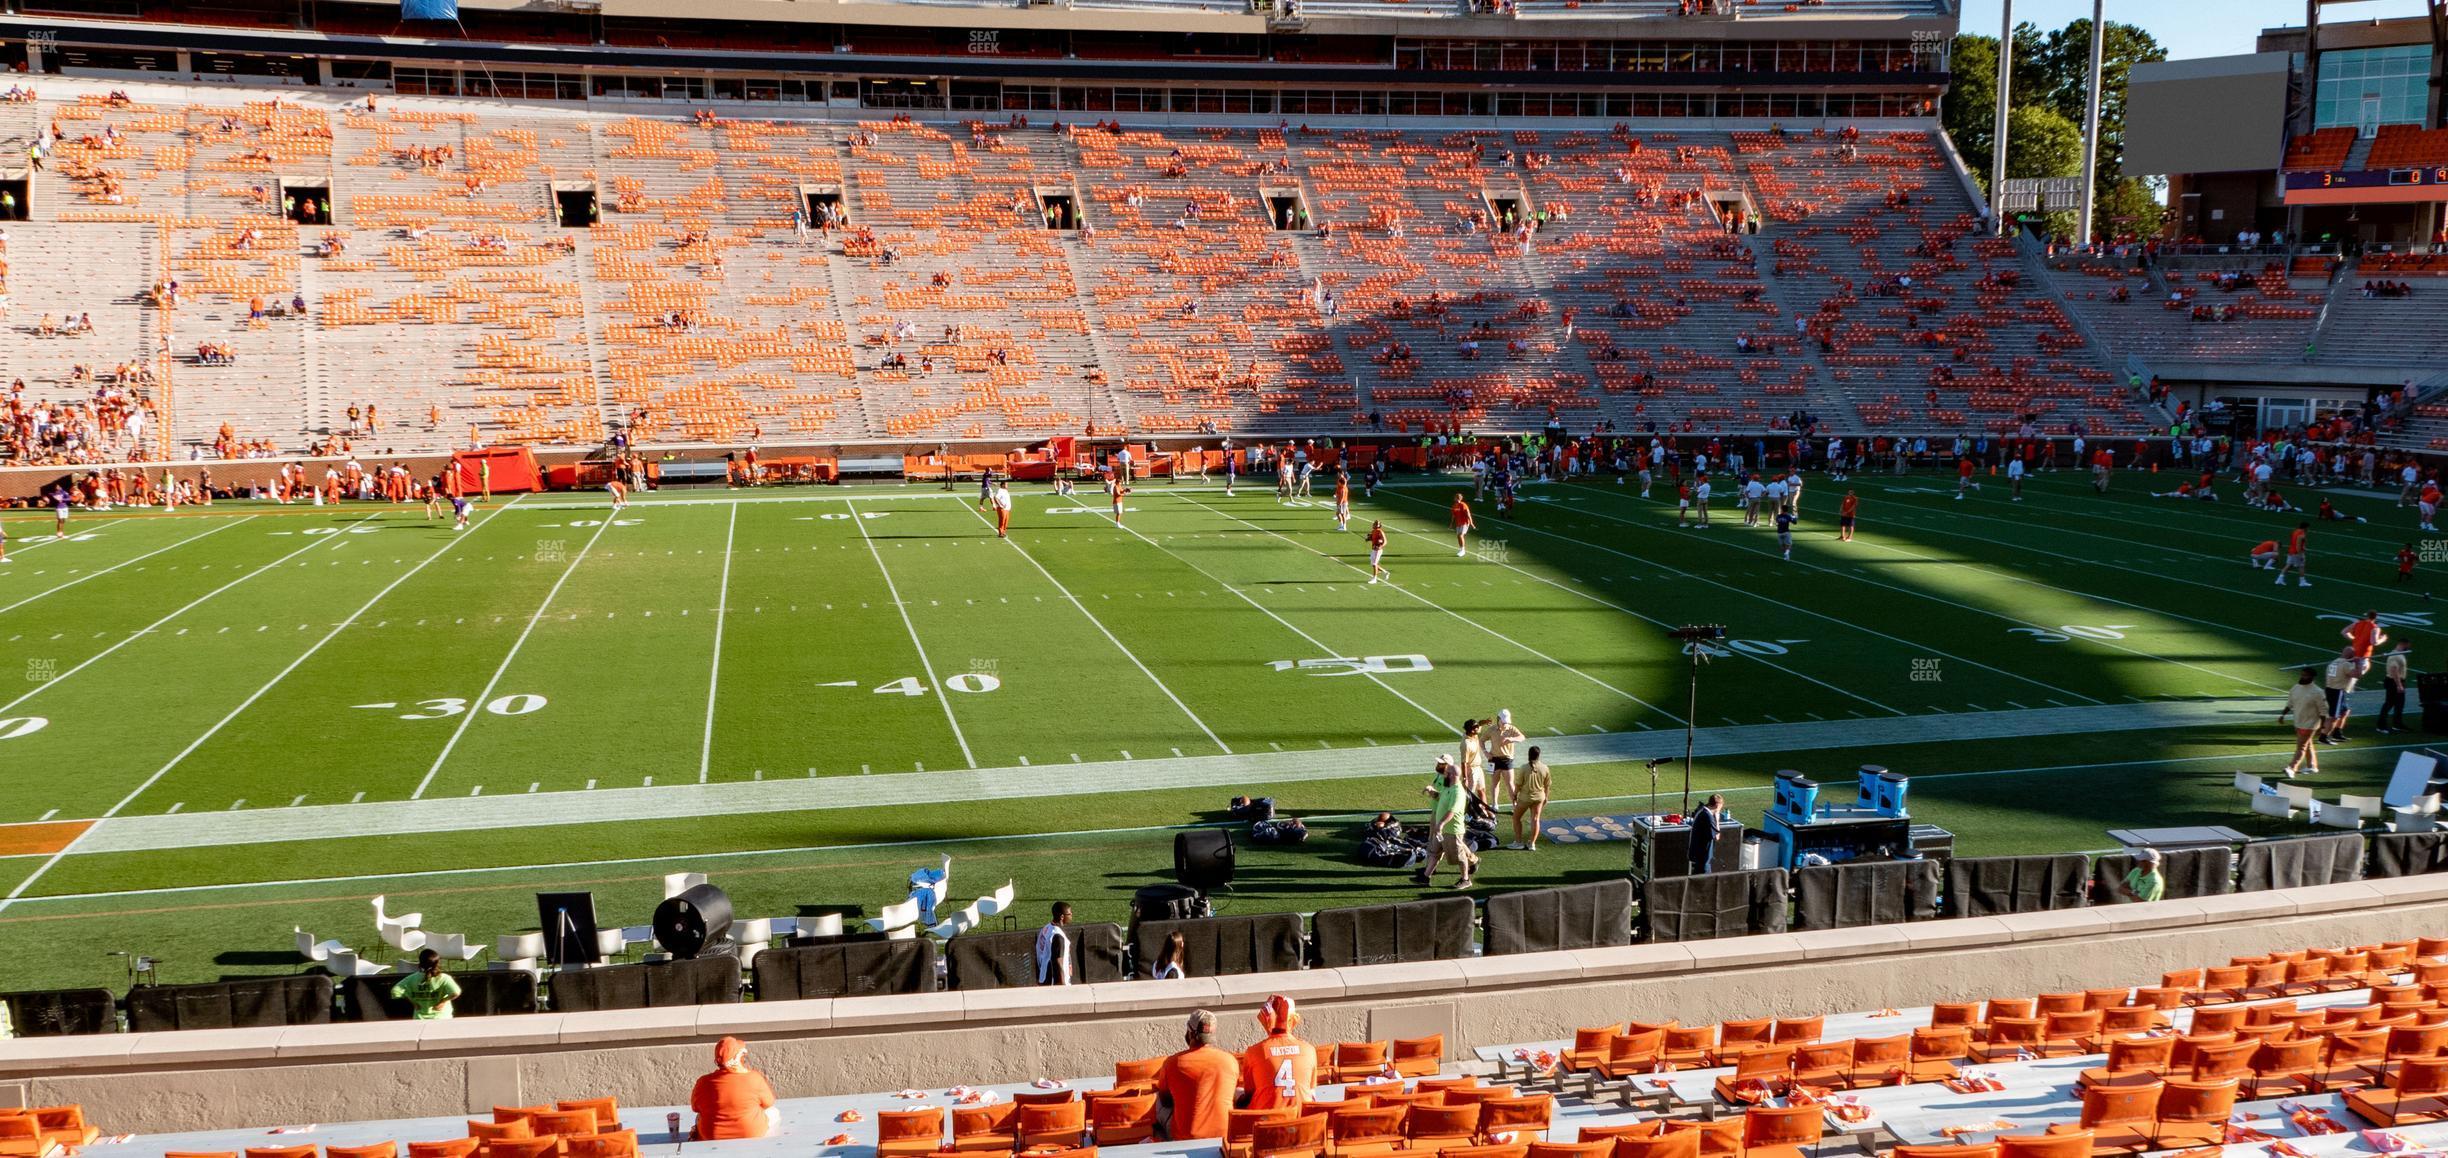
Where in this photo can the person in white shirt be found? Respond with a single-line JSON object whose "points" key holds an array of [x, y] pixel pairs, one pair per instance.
{"points": [[1054, 947], [1752, 493], [2014, 477], [1700, 498]]}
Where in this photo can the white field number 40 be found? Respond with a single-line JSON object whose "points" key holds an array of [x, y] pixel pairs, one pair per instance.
{"points": [[968, 681], [444, 707], [2072, 631]]}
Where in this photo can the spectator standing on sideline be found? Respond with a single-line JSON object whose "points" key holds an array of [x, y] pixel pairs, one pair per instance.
{"points": [[1445, 826], [2340, 681], [1530, 801], [1054, 947], [2392, 695], [733, 1101], [429, 991], [1704, 821], [2144, 882], [1498, 741], [2308, 710], [1194, 1088]]}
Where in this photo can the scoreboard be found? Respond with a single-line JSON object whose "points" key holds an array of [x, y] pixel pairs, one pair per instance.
{"points": [[2353, 186]]}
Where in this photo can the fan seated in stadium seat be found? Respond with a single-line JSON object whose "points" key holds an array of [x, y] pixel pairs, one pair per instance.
{"points": [[733, 1101]]}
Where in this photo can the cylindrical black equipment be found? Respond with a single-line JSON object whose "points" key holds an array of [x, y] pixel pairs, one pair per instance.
{"points": [[688, 924], [1203, 858]]}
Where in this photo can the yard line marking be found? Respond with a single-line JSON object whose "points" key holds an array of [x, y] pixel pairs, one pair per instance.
{"points": [[140, 633], [46, 816], [1323, 650], [298, 800], [894, 590], [237, 804], [722, 602], [249, 702], [1093, 621], [475, 706], [107, 570], [1792, 607], [1434, 605]]}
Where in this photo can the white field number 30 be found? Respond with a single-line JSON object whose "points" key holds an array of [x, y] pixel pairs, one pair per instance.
{"points": [[2072, 631], [444, 707], [968, 681]]}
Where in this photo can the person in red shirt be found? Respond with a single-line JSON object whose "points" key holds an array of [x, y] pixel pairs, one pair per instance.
{"points": [[2405, 563], [1280, 1070], [1194, 1088], [1376, 545], [2295, 556], [2264, 555], [2363, 637], [1461, 526], [733, 1101], [1844, 516], [1963, 478], [1683, 503], [2102, 463], [2428, 503]]}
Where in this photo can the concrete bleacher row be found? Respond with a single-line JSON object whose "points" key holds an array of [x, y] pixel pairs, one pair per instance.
{"points": [[444, 295], [1711, 1021]]}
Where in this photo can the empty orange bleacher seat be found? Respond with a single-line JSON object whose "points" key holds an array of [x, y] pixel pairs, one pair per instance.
{"points": [[377, 1150], [605, 1144]]}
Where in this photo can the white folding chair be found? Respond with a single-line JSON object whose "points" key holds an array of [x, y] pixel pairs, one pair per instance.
{"points": [[2410, 820], [753, 931], [2273, 805], [2428, 804], [2338, 816], [828, 925], [454, 946], [959, 923], [2248, 784], [518, 947], [997, 903], [675, 884], [404, 920], [2296, 795], [404, 938], [610, 943], [900, 922], [314, 950], [344, 963]]}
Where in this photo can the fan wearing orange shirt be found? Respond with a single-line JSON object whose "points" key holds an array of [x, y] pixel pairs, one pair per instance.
{"points": [[1845, 515], [1461, 526], [1280, 1070], [733, 1101], [1194, 1088]]}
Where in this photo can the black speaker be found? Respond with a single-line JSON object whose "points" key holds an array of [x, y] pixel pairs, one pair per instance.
{"points": [[686, 925], [1203, 858]]}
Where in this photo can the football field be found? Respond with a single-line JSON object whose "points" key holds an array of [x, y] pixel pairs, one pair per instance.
{"points": [[236, 720]]}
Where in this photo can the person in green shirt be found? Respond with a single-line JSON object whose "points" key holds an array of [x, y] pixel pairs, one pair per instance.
{"points": [[2144, 882], [430, 991], [1445, 826]]}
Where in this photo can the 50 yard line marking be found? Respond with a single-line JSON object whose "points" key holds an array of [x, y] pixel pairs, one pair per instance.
{"points": [[894, 590], [149, 629], [115, 566], [476, 705], [1127, 653], [209, 733], [722, 603]]}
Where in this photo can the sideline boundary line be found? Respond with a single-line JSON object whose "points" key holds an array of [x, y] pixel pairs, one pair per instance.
{"points": [[115, 566]]}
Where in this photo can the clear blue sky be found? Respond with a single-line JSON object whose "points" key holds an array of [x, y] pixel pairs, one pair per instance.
{"points": [[2189, 28]]}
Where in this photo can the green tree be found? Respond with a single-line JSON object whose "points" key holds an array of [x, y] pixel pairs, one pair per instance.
{"points": [[2041, 142], [2051, 72], [2129, 207], [1969, 112]]}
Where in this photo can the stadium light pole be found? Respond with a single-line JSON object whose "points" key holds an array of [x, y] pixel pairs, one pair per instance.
{"points": [[1997, 139], [2091, 122]]}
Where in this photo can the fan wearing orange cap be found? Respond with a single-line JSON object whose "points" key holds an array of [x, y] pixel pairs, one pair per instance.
{"points": [[733, 1101], [1280, 1070]]}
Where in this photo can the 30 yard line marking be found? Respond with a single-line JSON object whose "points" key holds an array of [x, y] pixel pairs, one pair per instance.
{"points": [[1127, 653], [1434, 605], [894, 590], [249, 702], [149, 629], [486, 696], [722, 603], [226, 525], [1263, 609]]}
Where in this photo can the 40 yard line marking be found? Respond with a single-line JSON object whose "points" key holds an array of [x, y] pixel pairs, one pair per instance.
{"points": [[149, 629], [235, 712], [115, 566], [722, 603], [1093, 621], [486, 696], [894, 590]]}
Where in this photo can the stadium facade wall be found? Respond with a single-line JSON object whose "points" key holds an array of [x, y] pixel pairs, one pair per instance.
{"points": [[215, 1079]]}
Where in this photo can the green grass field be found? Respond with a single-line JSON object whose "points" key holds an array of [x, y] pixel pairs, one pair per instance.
{"points": [[237, 721]]}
